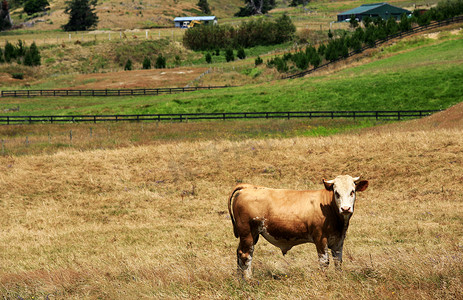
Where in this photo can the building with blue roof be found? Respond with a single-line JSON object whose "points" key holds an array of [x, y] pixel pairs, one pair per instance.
{"points": [[182, 22], [382, 10]]}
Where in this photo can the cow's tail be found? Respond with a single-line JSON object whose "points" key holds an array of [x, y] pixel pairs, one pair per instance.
{"points": [[232, 197]]}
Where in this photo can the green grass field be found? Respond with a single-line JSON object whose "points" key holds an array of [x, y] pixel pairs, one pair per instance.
{"points": [[421, 74]]}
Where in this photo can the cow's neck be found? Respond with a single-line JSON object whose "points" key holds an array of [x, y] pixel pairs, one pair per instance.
{"points": [[341, 221]]}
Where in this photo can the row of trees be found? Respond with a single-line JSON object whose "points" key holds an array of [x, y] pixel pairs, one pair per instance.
{"points": [[160, 63], [247, 34], [21, 54], [372, 31]]}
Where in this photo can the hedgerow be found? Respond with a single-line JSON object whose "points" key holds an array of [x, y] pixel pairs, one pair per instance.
{"points": [[248, 34]]}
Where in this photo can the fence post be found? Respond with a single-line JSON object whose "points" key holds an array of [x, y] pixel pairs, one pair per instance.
{"points": [[398, 115]]}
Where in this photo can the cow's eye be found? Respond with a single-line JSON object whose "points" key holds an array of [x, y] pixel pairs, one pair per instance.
{"points": [[352, 193], [336, 194]]}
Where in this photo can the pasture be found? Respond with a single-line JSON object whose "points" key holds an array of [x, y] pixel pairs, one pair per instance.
{"points": [[139, 210], [150, 221]]}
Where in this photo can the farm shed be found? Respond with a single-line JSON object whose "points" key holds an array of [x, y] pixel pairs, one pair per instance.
{"points": [[375, 10], [182, 22]]}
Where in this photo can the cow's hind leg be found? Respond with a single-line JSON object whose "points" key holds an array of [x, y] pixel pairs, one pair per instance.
{"points": [[244, 254]]}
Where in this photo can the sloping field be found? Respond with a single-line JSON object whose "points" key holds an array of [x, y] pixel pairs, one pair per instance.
{"points": [[151, 221], [417, 73]]}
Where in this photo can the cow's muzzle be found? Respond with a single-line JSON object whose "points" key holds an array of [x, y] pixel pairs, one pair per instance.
{"points": [[345, 210]]}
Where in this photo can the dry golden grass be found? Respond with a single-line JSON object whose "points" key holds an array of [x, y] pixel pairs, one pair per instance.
{"points": [[150, 221]]}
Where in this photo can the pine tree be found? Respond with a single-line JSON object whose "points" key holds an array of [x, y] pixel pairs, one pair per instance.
{"points": [[146, 63], [33, 6], [160, 62], [128, 65], [256, 7], [208, 58], [241, 54], [10, 52], [229, 56], [82, 15], [204, 6], [35, 54]]}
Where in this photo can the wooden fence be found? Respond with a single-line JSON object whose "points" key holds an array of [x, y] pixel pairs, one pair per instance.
{"points": [[105, 92], [387, 115]]}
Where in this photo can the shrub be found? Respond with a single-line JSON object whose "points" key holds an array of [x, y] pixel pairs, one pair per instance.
{"points": [[128, 65], [147, 63], [301, 60], [258, 61], [279, 63], [160, 62], [35, 54], [10, 52], [208, 58], [241, 54], [315, 60], [17, 75], [32, 56], [177, 60], [34, 6], [229, 56], [405, 24]]}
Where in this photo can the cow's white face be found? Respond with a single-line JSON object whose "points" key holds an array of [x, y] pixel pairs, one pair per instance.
{"points": [[344, 188]]}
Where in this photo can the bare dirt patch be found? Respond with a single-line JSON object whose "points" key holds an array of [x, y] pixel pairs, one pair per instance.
{"points": [[155, 78]]}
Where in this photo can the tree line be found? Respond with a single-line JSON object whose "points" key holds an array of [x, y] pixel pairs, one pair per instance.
{"points": [[20, 53], [343, 43], [247, 34]]}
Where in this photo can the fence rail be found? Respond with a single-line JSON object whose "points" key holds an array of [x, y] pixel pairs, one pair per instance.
{"points": [[105, 92], [388, 115], [414, 30]]}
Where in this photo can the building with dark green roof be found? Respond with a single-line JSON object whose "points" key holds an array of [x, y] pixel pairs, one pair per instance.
{"points": [[382, 10]]}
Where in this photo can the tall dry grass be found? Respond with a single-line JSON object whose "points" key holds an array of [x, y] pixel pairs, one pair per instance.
{"points": [[150, 221]]}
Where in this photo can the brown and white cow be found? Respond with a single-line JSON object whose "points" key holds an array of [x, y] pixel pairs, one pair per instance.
{"points": [[287, 218]]}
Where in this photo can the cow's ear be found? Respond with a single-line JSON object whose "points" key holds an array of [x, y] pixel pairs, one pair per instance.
{"points": [[328, 184], [361, 185]]}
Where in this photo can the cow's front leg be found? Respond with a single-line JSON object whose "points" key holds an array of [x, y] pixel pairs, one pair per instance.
{"points": [[244, 255], [323, 257], [337, 258]]}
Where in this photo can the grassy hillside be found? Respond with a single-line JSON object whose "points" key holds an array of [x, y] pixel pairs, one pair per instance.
{"points": [[151, 221], [114, 14], [414, 74], [154, 13]]}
